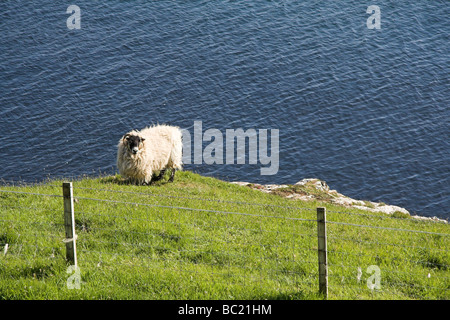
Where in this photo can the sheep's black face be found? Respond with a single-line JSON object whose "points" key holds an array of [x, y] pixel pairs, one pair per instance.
{"points": [[133, 143]]}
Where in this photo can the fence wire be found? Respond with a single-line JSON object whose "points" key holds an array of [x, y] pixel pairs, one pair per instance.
{"points": [[218, 245], [390, 262], [233, 247]]}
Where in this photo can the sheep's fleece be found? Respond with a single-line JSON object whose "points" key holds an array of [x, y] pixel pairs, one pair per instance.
{"points": [[160, 148]]}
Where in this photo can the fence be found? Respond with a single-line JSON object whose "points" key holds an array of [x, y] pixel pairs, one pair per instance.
{"points": [[172, 246]]}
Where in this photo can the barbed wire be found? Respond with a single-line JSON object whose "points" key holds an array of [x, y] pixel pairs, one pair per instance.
{"points": [[386, 243], [27, 207], [386, 228], [15, 183], [200, 199], [388, 216], [193, 224], [362, 293], [240, 256], [33, 193], [417, 262], [387, 283], [249, 275], [229, 246], [251, 268], [194, 209], [208, 241], [262, 216], [47, 223]]}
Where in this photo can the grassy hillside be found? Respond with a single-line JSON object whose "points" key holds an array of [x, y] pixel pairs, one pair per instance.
{"points": [[202, 238]]}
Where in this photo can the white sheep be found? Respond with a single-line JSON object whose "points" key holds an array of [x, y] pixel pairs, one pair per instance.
{"points": [[142, 153]]}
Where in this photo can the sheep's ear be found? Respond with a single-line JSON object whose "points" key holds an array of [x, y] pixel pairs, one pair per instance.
{"points": [[125, 137], [142, 139]]}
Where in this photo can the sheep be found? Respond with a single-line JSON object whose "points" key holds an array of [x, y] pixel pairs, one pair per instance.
{"points": [[142, 153]]}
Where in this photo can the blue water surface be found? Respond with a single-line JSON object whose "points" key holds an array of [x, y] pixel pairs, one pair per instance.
{"points": [[366, 110]]}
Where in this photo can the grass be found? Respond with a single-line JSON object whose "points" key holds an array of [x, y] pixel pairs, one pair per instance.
{"points": [[306, 189], [202, 238]]}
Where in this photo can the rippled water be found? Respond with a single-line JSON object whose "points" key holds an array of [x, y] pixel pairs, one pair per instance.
{"points": [[364, 110]]}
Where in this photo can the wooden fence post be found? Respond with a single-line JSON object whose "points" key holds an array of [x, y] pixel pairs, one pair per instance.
{"points": [[69, 223], [322, 251]]}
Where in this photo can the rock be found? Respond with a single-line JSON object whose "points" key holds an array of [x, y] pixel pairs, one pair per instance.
{"points": [[315, 189], [240, 183], [271, 187], [430, 218], [318, 184]]}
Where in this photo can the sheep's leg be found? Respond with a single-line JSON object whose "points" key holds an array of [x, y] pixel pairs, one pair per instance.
{"points": [[148, 180], [172, 175], [161, 174], [133, 181]]}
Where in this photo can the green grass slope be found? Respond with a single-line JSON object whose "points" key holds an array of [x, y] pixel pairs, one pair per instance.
{"points": [[202, 238]]}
